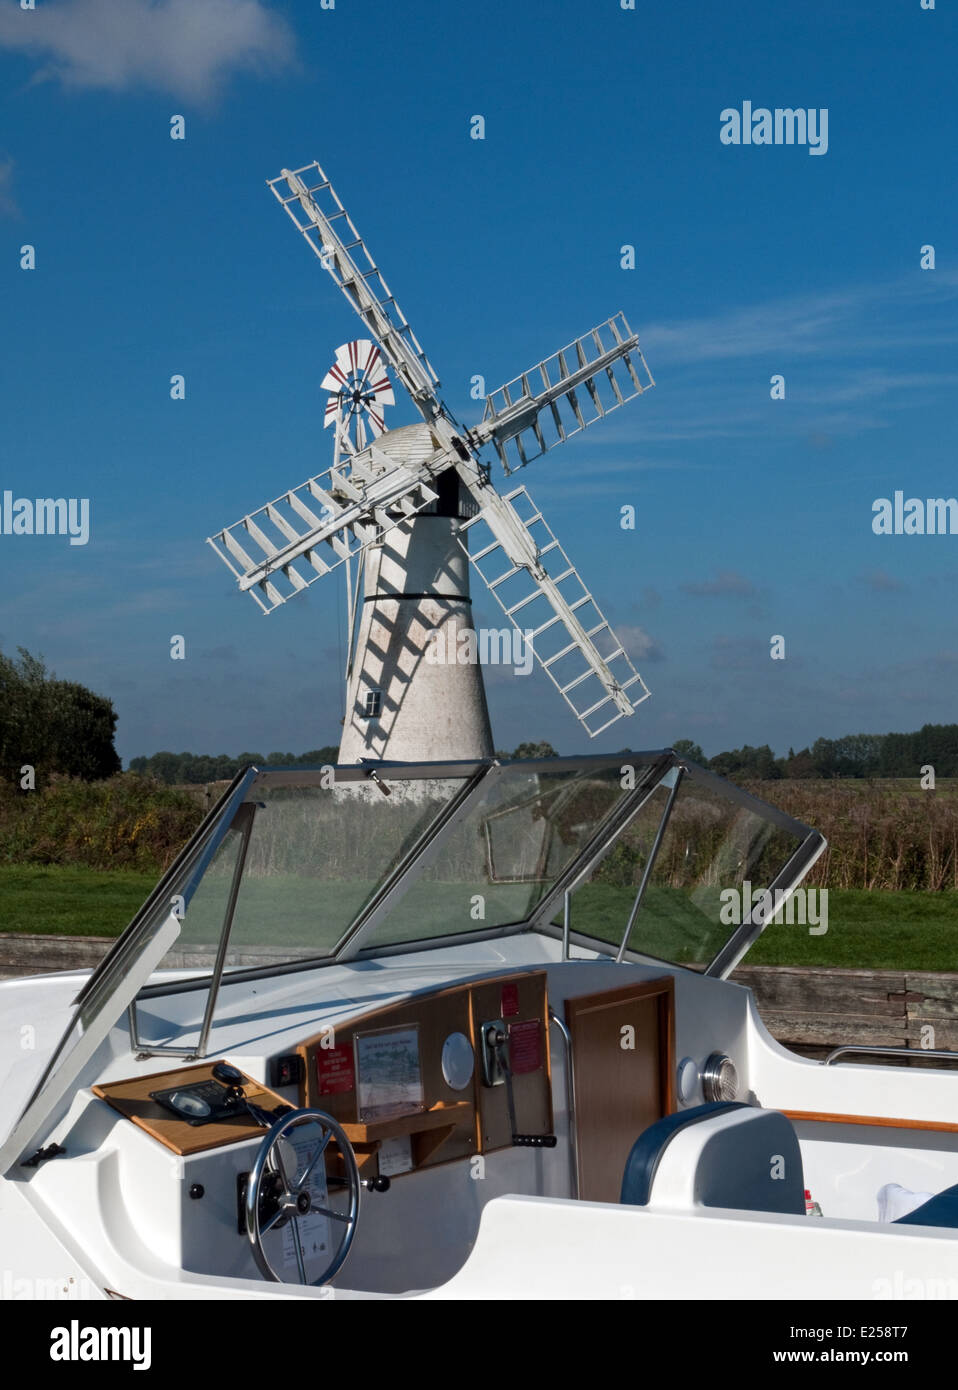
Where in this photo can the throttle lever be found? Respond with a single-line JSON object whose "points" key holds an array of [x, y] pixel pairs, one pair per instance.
{"points": [[233, 1079], [496, 1038]]}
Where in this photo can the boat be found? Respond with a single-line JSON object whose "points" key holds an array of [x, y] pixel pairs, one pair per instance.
{"points": [[461, 1030]]}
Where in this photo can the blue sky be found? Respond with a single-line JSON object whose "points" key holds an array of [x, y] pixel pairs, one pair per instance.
{"points": [[157, 257]]}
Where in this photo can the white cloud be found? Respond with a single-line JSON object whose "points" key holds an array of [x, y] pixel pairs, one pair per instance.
{"points": [[638, 643], [830, 322], [184, 47]]}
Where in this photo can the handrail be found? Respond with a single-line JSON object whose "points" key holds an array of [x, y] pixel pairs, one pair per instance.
{"points": [[570, 1097], [876, 1051]]}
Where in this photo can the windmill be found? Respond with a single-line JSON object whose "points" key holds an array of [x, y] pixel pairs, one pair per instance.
{"points": [[402, 502]]}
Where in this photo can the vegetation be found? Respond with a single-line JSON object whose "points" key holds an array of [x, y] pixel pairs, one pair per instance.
{"points": [[180, 769], [81, 843], [186, 769], [881, 835], [853, 755], [866, 930], [874, 930], [528, 750], [49, 726], [124, 822], [860, 756], [884, 836], [64, 900]]}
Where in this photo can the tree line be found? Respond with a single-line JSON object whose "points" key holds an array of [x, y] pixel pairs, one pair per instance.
{"points": [[51, 726], [853, 755], [182, 768], [179, 769]]}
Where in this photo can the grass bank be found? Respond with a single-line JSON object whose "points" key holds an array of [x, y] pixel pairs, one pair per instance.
{"points": [[866, 930], [66, 900]]}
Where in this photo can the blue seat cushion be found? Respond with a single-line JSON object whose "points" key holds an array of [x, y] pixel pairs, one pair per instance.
{"points": [[648, 1149], [941, 1210]]}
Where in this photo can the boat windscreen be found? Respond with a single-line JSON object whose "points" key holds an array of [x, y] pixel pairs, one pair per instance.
{"points": [[507, 852], [691, 869], [314, 871], [315, 857]]}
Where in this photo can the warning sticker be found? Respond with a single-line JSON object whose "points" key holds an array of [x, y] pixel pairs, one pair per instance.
{"points": [[510, 1000], [334, 1070], [525, 1046]]}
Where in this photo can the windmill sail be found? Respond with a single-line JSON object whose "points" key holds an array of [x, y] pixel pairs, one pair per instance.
{"points": [[317, 212], [571, 639], [570, 390], [294, 540]]}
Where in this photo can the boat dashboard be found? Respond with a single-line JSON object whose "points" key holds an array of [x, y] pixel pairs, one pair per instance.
{"points": [[534, 1079]]}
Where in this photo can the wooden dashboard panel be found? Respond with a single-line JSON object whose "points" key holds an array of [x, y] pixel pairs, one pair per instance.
{"points": [[450, 1124], [523, 1006], [132, 1099]]}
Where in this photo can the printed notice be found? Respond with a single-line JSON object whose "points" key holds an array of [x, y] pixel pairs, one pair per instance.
{"points": [[395, 1156], [388, 1076], [313, 1228], [334, 1070], [525, 1046]]}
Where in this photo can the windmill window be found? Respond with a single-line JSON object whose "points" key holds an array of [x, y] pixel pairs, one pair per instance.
{"points": [[373, 704]]}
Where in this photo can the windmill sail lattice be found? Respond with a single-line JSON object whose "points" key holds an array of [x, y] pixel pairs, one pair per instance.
{"points": [[316, 211], [570, 637], [570, 390], [278, 551], [430, 479]]}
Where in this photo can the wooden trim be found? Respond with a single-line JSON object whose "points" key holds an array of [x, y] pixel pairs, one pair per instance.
{"points": [[399, 1125], [131, 1098], [881, 1121]]}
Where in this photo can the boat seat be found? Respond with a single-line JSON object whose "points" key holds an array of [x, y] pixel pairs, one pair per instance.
{"points": [[723, 1154], [941, 1210]]}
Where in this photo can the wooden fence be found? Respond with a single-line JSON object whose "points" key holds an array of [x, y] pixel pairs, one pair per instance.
{"points": [[814, 1011]]}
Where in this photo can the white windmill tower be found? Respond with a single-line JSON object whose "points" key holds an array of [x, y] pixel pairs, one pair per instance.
{"points": [[404, 501], [416, 590]]}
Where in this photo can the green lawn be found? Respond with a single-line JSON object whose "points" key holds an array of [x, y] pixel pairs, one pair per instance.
{"points": [[916, 931], [54, 900], [871, 930], [866, 930]]}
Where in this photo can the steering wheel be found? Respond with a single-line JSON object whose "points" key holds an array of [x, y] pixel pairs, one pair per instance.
{"points": [[288, 1193]]}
